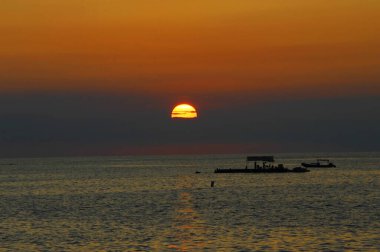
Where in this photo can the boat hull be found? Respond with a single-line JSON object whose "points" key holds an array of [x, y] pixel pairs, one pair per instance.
{"points": [[259, 170], [312, 165]]}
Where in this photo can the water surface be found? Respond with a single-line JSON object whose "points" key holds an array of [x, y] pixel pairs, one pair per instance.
{"points": [[158, 203]]}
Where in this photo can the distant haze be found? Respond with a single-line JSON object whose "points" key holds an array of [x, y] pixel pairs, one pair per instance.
{"points": [[92, 124]]}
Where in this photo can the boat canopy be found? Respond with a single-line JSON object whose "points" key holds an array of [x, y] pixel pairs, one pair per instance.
{"points": [[323, 160], [261, 158]]}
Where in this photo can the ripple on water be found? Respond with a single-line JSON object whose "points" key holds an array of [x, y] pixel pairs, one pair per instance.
{"points": [[94, 206]]}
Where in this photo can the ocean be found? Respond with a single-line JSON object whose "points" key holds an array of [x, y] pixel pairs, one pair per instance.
{"points": [[160, 203]]}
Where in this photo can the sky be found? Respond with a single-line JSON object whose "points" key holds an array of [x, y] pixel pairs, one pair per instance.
{"points": [[100, 77]]}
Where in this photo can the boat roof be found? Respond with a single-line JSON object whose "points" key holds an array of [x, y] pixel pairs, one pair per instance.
{"points": [[325, 160], [261, 158]]}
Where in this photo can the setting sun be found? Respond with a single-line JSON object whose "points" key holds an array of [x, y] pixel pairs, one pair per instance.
{"points": [[185, 111]]}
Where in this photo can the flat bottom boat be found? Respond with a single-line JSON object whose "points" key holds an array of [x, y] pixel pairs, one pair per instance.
{"points": [[321, 163], [264, 168], [269, 170]]}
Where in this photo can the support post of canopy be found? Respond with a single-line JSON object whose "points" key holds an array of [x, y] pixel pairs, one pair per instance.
{"points": [[259, 158]]}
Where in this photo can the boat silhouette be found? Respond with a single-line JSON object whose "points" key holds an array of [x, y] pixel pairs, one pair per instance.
{"points": [[321, 163], [261, 166]]}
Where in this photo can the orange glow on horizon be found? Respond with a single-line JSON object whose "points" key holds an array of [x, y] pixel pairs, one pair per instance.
{"points": [[184, 111]]}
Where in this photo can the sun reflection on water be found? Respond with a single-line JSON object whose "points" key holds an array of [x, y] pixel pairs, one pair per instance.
{"points": [[188, 228]]}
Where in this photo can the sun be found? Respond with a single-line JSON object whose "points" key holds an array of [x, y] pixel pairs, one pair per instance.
{"points": [[184, 111]]}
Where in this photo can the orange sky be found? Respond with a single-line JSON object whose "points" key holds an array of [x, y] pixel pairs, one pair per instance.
{"points": [[190, 46]]}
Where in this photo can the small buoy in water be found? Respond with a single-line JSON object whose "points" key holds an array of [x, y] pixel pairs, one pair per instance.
{"points": [[212, 183]]}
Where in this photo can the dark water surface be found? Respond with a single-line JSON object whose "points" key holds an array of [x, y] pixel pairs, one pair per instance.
{"points": [[157, 203]]}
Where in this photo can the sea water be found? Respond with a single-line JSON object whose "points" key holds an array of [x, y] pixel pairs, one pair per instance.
{"points": [[160, 203]]}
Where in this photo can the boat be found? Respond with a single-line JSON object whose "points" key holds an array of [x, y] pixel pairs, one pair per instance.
{"points": [[321, 163], [263, 168], [300, 169]]}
